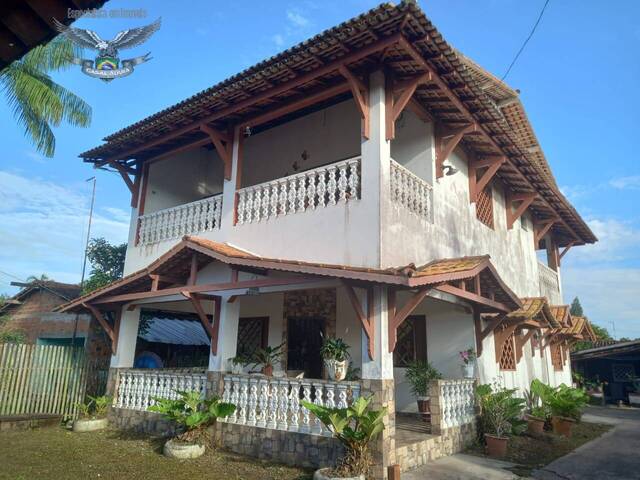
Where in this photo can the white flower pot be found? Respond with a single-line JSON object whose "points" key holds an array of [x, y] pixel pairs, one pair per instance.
{"points": [[468, 370], [174, 449], [336, 370], [634, 399], [323, 474], [90, 425]]}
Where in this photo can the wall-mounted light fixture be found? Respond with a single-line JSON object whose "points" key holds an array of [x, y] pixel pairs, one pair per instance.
{"points": [[247, 131], [449, 170]]}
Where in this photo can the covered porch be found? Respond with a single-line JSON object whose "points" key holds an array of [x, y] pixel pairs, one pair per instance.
{"points": [[242, 302]]}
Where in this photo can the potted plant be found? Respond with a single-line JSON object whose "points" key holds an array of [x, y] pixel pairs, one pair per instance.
{"points": [[192, 415], [335, 353], [419, 374], [566, 406], [355, 427], [93, 414], [468, 357], [537, 411], [266, 357], [238, 363], [500, 416]]}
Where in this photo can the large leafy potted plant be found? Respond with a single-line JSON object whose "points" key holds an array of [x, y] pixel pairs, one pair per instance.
{"points": [[355, 427], [335, 353], [419, 375], [538, 412], [238, 363], [93, 414], [192, 415], [267, 357], [500, 417], [566, 405]]}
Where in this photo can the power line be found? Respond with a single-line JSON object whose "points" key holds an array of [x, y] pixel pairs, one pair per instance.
{"points": [[526, 41]]}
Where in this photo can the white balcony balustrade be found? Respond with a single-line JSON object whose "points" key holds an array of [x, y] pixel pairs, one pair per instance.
{"points": [[136, 389], [549, 284], [274, 403], [454, 402], [317, 188], [411, 191], [171, 223]]}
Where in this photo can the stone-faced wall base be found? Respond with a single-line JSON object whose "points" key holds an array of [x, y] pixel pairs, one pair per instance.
{"points": [[310, 451], [141, 422], [450, 441]]}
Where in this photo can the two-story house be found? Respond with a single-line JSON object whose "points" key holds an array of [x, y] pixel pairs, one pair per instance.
{"points": [[370, 183]]}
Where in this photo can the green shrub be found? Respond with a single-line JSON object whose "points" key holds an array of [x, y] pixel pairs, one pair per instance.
{"points": [[419, 374], [355, 427], [191, 413], [334, 349], [567, 402], [94, 407], [500, 411], [267, 356]]}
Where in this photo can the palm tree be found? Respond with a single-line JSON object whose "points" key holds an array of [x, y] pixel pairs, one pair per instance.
{"points": [[37, 101]]}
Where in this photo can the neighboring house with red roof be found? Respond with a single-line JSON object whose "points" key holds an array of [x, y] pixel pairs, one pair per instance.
{"points": [[372, 184], [31, 312]]}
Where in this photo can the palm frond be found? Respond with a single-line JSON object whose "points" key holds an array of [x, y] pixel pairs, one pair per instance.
{"points": [[53, 56]]}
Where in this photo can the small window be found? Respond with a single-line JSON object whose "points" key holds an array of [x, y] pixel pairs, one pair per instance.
{"points": [[484, 206], [508, 355], [411, 342], [523, 224], [252, 334]]}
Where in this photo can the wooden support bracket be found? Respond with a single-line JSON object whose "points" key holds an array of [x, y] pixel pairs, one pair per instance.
{"points": [[103, 323], [525, 200], [211, 329], [476, 185], [401, 94], [224, 150], [494, 323], [447, 140], [193, 270], [565, 250], [133, 187], [401, 315], [156, 280], [521, 341], [367, 321], [477, 324], [360, 93], [543, 228]]}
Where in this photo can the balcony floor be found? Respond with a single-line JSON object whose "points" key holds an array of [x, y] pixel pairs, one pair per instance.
{"points": [[410, 429]]}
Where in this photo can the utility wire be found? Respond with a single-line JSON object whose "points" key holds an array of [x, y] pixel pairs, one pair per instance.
{"points": [[526, 41]]}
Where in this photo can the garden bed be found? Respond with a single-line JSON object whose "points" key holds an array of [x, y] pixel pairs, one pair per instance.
{"points": [[56, 453], [530, 453]]}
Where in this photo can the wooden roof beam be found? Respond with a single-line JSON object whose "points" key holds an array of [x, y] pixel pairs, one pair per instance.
{"points": [[477, 185], [360, 91], [446, 141], [544, 227], [212, 329], [396, 318], [367, 321], [394, 106]]}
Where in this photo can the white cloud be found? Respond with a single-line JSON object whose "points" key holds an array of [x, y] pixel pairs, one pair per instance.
{"points": [[607, 295], [278, 40], [626, 183], [44, 224], [297, 19], [617, 241], [35, 156]]}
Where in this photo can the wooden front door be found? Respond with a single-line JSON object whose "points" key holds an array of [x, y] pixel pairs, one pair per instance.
{"points": [[304, 339]]}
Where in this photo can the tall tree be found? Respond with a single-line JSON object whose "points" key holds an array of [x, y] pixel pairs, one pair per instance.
{"points": [[39, 103], [107, 263], [576, 308]]}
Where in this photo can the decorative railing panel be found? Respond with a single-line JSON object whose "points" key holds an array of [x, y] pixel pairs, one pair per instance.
{"points": [[136, 389], [456, 403], [317, 188], [195, 217], [274, 403], [411, 191], [549, 284]]}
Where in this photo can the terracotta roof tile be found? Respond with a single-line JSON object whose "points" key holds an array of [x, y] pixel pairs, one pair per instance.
{"points": [[451, 265], [535, 308]]}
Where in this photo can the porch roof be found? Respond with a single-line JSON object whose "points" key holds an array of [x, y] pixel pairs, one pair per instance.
{"points": [[580, 328], [404, 40], [562, 314], [535, 310], [447, 275]]}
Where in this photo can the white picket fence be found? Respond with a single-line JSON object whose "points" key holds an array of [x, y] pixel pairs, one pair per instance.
{"points": [[274, 403], [137, 388], [46, 379]]}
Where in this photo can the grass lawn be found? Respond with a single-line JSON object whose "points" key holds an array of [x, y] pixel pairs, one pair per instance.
{"points": [[529, 453], [55, 453]]}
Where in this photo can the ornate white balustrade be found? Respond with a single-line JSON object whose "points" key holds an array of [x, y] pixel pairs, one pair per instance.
{"points": [[190, 218], [274, 403], [456, 401], [549, 284], [410, 191], [317, 188], [136, 389]]}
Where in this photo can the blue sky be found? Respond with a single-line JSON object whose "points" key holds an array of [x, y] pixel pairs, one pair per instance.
{"points": [[577, 77]]}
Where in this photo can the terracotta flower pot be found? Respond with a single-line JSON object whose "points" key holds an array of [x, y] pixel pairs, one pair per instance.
{"points": [[268, 370], [562, 426], [336, 370], [496, 446], [424, 407], [535, 425]]}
